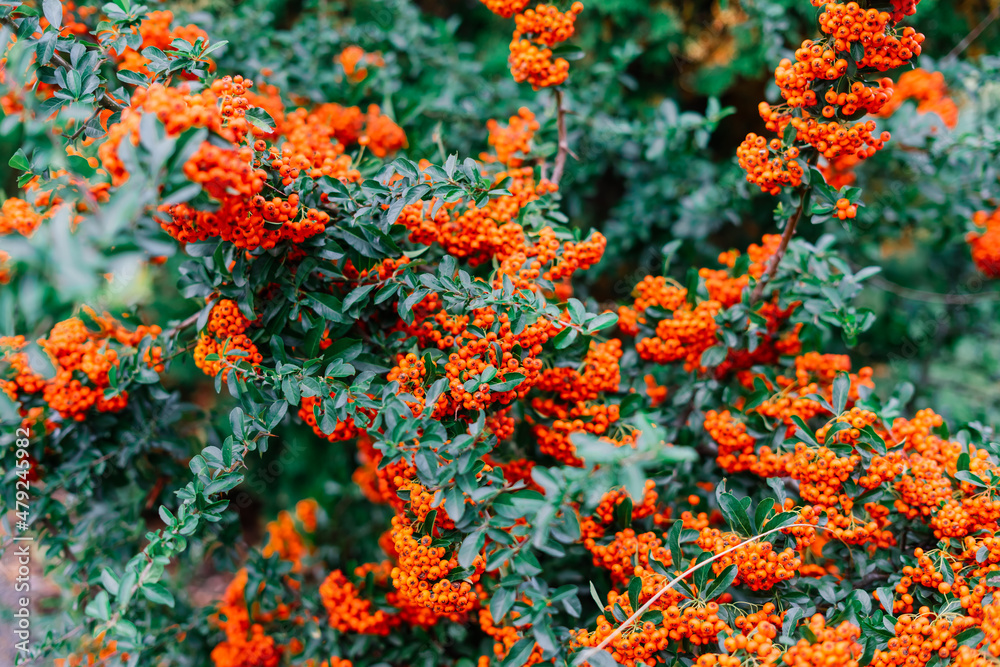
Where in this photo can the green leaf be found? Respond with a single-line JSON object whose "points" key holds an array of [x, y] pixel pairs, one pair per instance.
{"points": [[714, 356], [885, 596], [597, 598], [763, 509], [511, 381], [260, 119], [198, 465], [519, 652], [841, 388], [602, 321], [166, 515], [970, 637], [134, 78], [99, 607], [674, 541], [109, 581], [623, 513], [780, 521], [157, 594], [721, 583], [19, 161], [471, 547], [804, 433], [326, 306], [357, 295], [223, 483], [564, 338], [634, 589], [501, 602], [53, 11], [735, 514], [788, 138], [970, 478]]}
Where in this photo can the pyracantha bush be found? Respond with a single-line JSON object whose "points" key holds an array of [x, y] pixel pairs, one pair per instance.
{"points": [[509, 471]]}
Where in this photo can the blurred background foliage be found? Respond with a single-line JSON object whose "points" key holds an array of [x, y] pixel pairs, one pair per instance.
{"points": [[663, 94]]}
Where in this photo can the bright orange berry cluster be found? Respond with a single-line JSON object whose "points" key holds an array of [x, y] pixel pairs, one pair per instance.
{"points": [[832, 646], [822, 73], [538, 30], [356, 61], [348, 612], [985, 244], [246, 642], [605, 512], [626, 551], [920, 638], [545, 24], [19, 216], [225, 336], [769, 164], [930, 92], [512, 140], [760, 566], [421, 575], [157, 32], [82, 359]]}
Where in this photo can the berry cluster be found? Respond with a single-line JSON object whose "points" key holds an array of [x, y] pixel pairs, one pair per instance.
{"points": [[512, 140], [828, 79], [831, 646], [537, 31], [421, 575], [83, 359], [157, 32], [985, 244], [225, 336], [246, 642], [236, 178], [356, 62], [19, 216], [930, 92], [760, 566], [626, 552]]}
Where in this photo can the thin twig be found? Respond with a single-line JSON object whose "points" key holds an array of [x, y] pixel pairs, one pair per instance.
{"points": [[104, 100], [183, 324], [83, 126], [656, 596], [968, 39], [786, 236], [563, 149], [930, 297]]}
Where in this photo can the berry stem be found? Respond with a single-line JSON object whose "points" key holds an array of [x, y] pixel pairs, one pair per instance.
{"points": [[786, 237]]}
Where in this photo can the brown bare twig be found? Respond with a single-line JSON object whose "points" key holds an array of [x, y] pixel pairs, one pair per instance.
{"points": [[950, 299], [183, 324], [786, 237], [968, 39], [563, 149]]}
